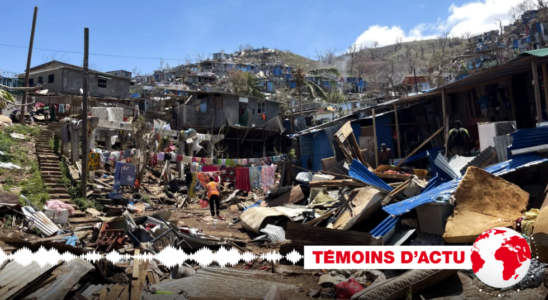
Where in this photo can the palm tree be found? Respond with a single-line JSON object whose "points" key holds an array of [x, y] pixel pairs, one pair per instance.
{"points": [[253, 88], [311, 87]]}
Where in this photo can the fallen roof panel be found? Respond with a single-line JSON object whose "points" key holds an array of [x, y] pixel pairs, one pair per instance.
{"points": [[448, 188], [360, 172]]}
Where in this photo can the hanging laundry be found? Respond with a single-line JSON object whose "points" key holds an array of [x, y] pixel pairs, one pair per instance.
{"points": [[161, 156], [229, 174], [242, 179], [179, 158], [127, 174], [255, 177], [267, 177], [114, 156], [117, 171], [104, 156], [203, 177], [94, 161], [61, 108]]}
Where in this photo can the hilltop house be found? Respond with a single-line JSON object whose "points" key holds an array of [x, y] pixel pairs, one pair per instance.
{"points": [[59, 77]]}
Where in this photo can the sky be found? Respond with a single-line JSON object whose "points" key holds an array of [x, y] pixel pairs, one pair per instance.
{"points": [[136, 34]]}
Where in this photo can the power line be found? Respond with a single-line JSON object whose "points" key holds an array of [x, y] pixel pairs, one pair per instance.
{"points": [[95, 54]]}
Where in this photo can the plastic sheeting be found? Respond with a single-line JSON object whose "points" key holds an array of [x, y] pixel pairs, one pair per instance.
{"points": [[448, 188], [361, 173]]}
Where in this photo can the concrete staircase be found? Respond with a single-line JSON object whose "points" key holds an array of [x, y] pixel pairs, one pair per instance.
{"points": [[51, 171]]}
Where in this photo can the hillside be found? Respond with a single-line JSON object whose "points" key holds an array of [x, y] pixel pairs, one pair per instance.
{"points": [[393, 62]]}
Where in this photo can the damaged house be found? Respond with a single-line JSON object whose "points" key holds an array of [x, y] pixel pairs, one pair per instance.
{"points": [[60, 77], [250, 125]]}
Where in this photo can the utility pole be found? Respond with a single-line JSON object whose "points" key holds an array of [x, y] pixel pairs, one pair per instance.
{"points": [[23, 107], [85, 146], [416, 86]]}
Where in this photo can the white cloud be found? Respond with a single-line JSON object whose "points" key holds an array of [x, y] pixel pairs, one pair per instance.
{"points": [[473, 17]]}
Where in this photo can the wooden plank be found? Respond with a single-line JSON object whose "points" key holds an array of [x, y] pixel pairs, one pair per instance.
{"points": [[125, 294], [335, 183], [323, 217], [137, 285], [156, 278], [93, 211], [420, 146], [103, 293], [115, 291], [135, 274], [83, 220], [397, 130], [357, 150], [537, 90], [150, 278], [68, 276], [445, 125], [375, 139], [79, 296], [344, 132]]}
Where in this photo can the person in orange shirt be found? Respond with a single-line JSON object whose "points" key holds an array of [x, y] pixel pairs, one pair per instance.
{"points": [[214, 197]]}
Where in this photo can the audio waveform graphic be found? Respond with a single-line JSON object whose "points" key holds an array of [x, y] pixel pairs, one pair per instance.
{"points": [[169, 257]]}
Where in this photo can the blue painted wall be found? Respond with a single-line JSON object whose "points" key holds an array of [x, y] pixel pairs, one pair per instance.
{"points": [[384, 133], [322, 148]]}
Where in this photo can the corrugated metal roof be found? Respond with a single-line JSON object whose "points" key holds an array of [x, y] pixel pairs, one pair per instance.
{"points": [[458, 162], [525, 138], [384, 227], [361, 173], [538, 53], [443, 166], [14, 278], [41, 221], [480, 159], [448, 188], [501, 145]]}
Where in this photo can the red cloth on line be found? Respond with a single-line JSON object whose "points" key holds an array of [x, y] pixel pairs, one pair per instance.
{"points": [[242, 179]]}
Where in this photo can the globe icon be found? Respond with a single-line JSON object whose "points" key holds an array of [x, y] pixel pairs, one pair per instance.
{"points": [[500, 257]]}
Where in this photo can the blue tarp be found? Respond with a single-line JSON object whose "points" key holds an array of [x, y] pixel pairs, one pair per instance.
{"points": [[448, 188], [361, 173]]}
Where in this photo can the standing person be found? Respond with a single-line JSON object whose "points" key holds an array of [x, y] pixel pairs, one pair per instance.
{"points": [[385, 156], [458, 142], [52, 112], [214, 197], [46, 113]]}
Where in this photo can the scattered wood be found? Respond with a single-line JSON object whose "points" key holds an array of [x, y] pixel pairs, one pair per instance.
{"points": [[67, 275], [388, 199], [138, 284], [93, 212], [335, 183], [115, 291], [103, 294], [420, 146], [135, 274], [150, 278], [79, 296]]}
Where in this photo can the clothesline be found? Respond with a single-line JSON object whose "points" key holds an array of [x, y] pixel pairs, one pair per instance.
{"points": [[160, 156]]}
